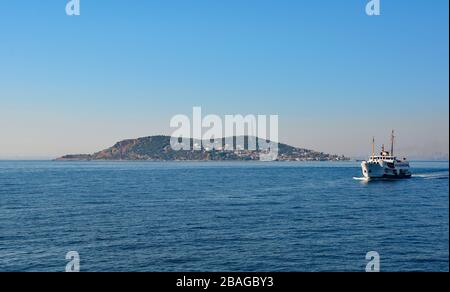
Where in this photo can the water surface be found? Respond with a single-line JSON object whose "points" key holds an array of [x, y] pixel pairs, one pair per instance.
{"points": [[220, 216]]}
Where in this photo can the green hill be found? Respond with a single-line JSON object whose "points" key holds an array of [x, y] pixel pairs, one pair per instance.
{"points": [[157, 148]]}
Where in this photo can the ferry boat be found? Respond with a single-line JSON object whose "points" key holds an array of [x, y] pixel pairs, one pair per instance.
{"points": [[385, 165]]}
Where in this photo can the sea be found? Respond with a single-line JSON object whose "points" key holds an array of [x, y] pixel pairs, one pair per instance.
{"points": [[220, 217]]}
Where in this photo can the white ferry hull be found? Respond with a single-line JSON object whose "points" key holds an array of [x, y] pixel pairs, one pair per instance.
{"points": [[373, 170]]}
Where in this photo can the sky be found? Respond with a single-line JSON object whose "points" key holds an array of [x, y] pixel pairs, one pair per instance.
{"points": [[122, 69]]}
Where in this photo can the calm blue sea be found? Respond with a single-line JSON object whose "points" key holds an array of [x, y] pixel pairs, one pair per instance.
{"points": [[230, 216]]}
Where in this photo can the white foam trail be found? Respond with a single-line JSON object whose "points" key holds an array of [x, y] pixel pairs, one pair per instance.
{"points": [[361, 178], [433, 175]]}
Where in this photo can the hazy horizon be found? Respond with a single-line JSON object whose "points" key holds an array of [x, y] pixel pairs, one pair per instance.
{"points": [[335, 76], [436, 157]]}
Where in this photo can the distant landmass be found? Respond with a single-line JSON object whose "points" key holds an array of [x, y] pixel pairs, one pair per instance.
{"points": [[157, 148]]}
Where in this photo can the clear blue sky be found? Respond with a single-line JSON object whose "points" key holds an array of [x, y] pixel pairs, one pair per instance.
{"points": [[123, 68]]}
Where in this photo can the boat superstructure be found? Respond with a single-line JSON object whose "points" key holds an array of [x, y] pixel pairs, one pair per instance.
{"points": [[386, 164]]}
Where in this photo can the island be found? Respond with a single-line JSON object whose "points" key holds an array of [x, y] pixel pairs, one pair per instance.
{"points": [[157, 148]]}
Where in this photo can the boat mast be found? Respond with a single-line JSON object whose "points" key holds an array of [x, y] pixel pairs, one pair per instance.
{"points": [[373, 147], [392, 143]]}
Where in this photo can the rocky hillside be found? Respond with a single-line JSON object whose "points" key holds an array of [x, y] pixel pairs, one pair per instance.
{"points": [[157, 148]]}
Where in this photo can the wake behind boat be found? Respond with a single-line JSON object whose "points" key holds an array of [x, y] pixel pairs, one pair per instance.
{"points": [[385, 165]]}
